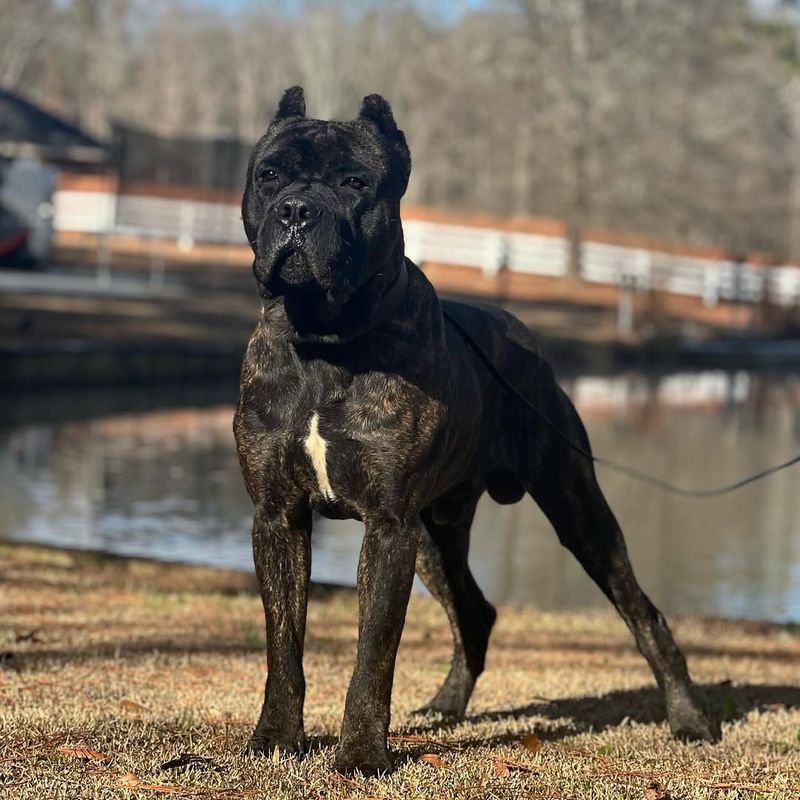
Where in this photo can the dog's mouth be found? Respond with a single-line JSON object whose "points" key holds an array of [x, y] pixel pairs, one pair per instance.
{"points": [[307, 299], [286, 272], [291, 268], [294, 272]]}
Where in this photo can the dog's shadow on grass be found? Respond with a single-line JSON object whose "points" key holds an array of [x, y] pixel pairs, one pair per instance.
{"points": [[572, 716], [576, 715]]}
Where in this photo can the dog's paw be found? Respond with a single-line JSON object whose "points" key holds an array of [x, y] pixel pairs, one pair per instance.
{"points": [[450, 702], [367, 761], [690, 723], [264, 743], [698, 727]]}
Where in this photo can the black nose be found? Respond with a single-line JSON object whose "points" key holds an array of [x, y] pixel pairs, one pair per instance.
{"points": [[297, 210]]}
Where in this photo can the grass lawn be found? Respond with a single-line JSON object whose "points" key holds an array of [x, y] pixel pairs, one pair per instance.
{"points": [[109, 668]]}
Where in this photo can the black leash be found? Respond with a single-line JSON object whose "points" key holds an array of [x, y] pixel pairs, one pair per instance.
{"points": [[622, 468]]}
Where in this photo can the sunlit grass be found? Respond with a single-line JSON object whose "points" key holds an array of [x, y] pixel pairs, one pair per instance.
{"points": [[125, 665]]}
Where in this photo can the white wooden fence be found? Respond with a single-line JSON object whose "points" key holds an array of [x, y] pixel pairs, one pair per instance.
{"points": [[187, 222]]}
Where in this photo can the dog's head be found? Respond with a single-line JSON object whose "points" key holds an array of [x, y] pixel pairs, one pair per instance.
{"points": [[321, 209]]}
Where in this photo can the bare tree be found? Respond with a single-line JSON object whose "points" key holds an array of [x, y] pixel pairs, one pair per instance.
{"points": [[22, 34], [676, 120]]}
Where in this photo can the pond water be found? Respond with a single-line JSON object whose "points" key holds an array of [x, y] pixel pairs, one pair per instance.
{"points": [[155, 474]]}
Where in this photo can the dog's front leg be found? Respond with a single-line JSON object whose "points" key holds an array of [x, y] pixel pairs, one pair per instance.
{"points": [[385, 574], [282, 554]]}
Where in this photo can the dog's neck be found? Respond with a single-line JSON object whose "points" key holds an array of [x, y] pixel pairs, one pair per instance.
{"points": [[370, 307], [389, 296]]}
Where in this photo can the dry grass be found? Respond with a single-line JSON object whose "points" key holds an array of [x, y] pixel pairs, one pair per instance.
{"points": [[138, 663]]}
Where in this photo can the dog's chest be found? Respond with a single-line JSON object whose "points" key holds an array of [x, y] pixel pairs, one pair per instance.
{"points": [[316, 449], [344, 443], [340, 456], [351, 436], [347, 446]]}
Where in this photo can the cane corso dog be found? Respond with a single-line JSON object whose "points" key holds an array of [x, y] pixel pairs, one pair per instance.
{"points": [[362, 397]]}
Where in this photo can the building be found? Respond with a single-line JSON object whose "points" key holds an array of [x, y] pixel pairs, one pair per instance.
{"points": [[34, 146]]}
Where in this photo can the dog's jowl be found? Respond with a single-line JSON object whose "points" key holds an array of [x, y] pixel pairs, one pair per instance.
{"points": [[359, 399]]}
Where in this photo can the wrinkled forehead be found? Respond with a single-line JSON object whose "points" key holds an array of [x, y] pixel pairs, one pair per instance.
{"points": [[311, 145]]}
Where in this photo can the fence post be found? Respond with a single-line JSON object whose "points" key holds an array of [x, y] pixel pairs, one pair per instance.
{"points": [[711, 286], [103, 271], [629, 279], [495, 254], [625, 304], [107, 219], [414, 232], [185, 238], [156, 266]]}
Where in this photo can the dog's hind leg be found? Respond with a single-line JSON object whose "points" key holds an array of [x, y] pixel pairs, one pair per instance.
{"points": [[442, 566], [564, 485]]}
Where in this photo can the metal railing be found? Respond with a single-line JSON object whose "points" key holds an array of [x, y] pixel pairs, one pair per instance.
{"points": [[187, 222]]}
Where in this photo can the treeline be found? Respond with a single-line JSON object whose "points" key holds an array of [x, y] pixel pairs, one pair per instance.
{"points": [[676, 119]]}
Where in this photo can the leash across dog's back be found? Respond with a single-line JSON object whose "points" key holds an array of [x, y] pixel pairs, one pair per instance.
{"points": [[631, 472]]}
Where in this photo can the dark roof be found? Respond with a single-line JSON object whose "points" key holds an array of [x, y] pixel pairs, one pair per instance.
{"points": [[27, 129]]}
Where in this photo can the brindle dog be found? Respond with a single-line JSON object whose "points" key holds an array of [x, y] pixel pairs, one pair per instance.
{"points": [[360, 400]]}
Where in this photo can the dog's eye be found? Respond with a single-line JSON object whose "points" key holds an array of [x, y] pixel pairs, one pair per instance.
{"points": [[266, 175], [353, 182]]}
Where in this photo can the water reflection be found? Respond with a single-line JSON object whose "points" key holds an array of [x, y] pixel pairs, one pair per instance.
{"points": [[165, 483]]}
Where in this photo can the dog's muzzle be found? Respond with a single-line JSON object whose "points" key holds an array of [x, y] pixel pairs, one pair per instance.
{"points": [[292, 246]]}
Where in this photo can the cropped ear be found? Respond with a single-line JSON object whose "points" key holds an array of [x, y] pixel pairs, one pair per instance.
{"points": [[292, 104], [376, 110]]}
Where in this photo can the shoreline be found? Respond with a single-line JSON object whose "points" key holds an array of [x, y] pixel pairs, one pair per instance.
{"points": [[193, 333], [86, 364], [244, 580]]}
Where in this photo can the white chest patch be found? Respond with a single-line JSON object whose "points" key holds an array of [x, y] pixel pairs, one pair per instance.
{"points": [[317, 448]]}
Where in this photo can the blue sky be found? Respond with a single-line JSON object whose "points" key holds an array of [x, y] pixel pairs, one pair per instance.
{"points": [[442, 5], [447, 8], [440, 8]]}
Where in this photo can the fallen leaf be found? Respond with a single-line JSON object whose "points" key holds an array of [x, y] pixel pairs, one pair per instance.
{"points": [[128, 779], [502, 767], [122, 597], [84, 753], [432, 759], [132, 705], [532, 743], [655, 791]]}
